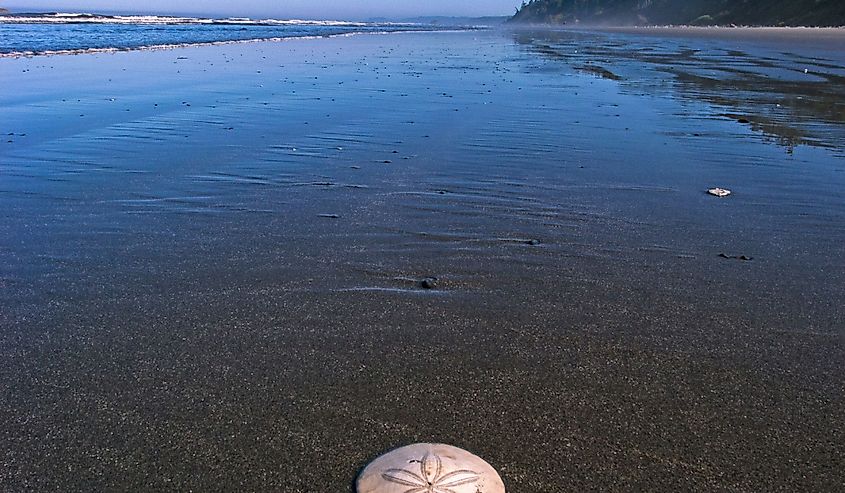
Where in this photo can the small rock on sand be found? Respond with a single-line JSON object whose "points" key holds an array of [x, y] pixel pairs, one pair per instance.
{"points": [[744, 258], [429, 283]]}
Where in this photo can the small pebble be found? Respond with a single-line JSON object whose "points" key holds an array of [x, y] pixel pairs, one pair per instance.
{"points": [[429, 283], [744, 258]]}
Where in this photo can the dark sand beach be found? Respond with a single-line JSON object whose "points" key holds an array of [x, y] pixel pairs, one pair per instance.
{"points": [[211, 262]]}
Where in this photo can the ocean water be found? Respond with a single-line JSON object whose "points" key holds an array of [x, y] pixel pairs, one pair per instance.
{"points": [[40, 34]]}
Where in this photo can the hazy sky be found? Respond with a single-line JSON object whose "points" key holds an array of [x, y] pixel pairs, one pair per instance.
{"points": [[323, 9]]}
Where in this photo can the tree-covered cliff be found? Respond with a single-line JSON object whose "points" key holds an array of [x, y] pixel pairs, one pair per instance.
{"points": [[692, 12]]}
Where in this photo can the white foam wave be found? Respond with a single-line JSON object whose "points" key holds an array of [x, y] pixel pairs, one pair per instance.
{"points": [[174, 46], [81, 18]]}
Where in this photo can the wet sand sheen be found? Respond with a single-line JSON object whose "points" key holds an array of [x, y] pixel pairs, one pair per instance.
{"points": [[211, 266]]}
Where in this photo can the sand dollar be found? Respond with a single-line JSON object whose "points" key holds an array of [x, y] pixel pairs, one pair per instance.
{"points": [[429, 468]]}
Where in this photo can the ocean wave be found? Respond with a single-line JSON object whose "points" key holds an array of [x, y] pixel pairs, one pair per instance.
{"points": [[27, 35], [174, 46], [82, 18]]}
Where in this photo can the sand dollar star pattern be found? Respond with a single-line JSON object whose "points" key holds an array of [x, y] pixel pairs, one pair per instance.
{"points": [[431, 478]]}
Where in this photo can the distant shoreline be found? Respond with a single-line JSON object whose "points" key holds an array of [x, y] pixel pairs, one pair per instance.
{"points": [[579, 26], [797, 34], [731, 29]]}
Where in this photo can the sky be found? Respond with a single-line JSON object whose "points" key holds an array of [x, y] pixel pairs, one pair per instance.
{"points": [[311, 9]]}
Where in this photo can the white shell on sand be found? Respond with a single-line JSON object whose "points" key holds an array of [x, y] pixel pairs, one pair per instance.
{"points": [[719, 192], [429, 468]]}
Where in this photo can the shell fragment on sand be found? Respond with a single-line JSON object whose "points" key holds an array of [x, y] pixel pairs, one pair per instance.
{"points": [[429, 468], [719, 192]]}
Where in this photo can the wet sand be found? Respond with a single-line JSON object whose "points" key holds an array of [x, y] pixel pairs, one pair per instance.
{"points": [[211, 263]]}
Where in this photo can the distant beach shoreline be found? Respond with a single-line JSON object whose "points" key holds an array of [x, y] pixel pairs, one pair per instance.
{"points": [[669, 27], [775, 30], [802, 35]]}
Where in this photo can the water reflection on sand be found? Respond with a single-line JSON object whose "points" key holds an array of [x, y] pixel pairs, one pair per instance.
{"points": [[786, 84]]}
